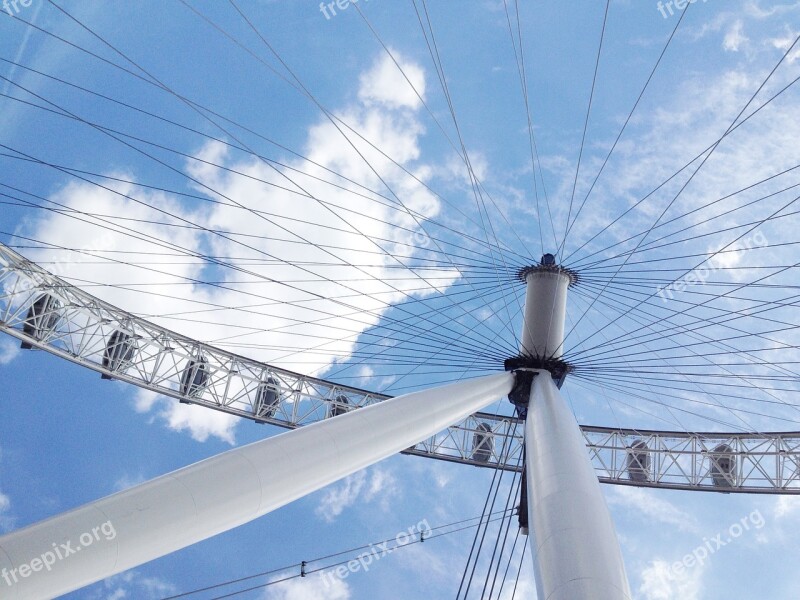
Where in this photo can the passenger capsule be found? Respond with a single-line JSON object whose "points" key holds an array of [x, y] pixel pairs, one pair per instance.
{"points": [[267, 398], [118, 353], [42, 318], [638, 462], [339, 406], [723, 466], [482, 443], [195, 378]]}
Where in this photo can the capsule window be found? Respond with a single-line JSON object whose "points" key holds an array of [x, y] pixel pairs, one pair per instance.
{"points": [[482, 443], [267, 398], [195, 378], [42, 318], [118, 353], [723, 466], [339, 406], [638, 462]]}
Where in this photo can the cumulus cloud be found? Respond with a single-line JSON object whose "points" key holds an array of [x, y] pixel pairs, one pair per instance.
{"points": [[187, 417], [310, 588], [660, 582], [297, 235], [387, 84]]}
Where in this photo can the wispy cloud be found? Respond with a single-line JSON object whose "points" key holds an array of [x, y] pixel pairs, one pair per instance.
{"points": [[659, 582], [787, 506], [309, 588], [131, 584], [652, 506], [369, 485]]}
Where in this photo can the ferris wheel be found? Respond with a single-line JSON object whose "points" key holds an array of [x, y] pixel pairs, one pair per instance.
{"points": [[338, 288]]}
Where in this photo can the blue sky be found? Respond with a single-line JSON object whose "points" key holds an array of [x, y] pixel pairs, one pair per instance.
{"points": [[67, 438]]}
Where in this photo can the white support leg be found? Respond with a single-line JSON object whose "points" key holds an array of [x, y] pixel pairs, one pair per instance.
{"points": [[223, 492], [573, 542]]}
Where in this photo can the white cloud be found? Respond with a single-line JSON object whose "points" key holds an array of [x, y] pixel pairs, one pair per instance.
{"points": [[145, 400], [9, 350], [735, 37], [660, 582], [128, 481], [7, 520], [347, 234], [386, 84], [526, 588], [786, 506], [5, 503], [310, 588], [651, 505], [341, 496], [131, 584], [368, 485], [199, 422], [785, 42], [383, 488]]}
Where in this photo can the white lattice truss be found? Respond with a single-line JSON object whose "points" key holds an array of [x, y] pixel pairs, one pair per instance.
{"points": [[45, 312]]}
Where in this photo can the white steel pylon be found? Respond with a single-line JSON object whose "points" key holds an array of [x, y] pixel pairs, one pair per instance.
{"points": [[199, 501], [572, 537]]}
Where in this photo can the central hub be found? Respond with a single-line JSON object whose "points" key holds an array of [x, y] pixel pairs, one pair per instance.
{"points": [[542, 340], [547, 265], [545, 308]]}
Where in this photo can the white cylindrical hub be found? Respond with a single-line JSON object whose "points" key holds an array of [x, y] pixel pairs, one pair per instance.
{"points": [[194, 503], [545, 311], [573, 541]]}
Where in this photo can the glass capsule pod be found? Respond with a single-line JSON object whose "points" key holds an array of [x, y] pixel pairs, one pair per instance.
{"points": [[195, 378], [42, 318], [119, 352], [638, 462], [482, 443], [723, 466], [339, 406], [268, 398]]}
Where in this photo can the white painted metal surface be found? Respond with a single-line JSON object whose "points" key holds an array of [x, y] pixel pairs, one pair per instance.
{"points": [[545, 312], [220, 493], [573, 541]]}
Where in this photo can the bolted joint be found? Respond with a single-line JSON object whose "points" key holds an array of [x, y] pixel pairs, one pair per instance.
{"points": [[520, 394], [558, 369]]}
